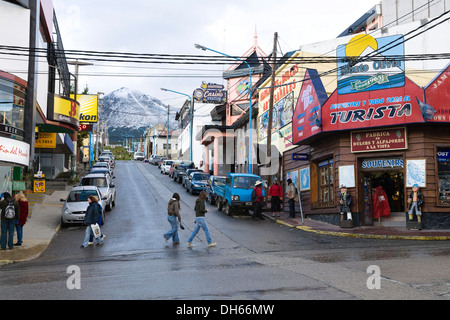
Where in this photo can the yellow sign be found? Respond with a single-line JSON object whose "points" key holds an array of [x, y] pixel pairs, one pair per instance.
{"points": [[66, 110], [45, 140], [88, 107], [39, 186]]}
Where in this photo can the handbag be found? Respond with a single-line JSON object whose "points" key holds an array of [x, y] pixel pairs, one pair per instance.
{"points": [[96, 230]]}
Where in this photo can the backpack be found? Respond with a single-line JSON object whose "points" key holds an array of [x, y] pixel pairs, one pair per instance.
{"points": [[253, 195], [10, 212]]}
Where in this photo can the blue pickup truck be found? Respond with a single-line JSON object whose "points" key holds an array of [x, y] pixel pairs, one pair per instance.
{"points": [[235, 195]]}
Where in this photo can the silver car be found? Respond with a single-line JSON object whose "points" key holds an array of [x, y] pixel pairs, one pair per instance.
{"points": [[104, 183], [74, 208]]}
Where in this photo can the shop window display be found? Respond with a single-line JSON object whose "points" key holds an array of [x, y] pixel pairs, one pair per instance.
{"points": [[443, 157]]}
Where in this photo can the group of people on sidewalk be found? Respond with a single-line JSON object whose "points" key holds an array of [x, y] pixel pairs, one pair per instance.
{"points": [[14, 215]]}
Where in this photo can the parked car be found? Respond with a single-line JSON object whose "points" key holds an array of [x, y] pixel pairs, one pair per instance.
{"points": [[236, 193], [154, 160], [102, 170], [196, 182], [138, 156], [104, 184], [74, 208], [103, 165], [180, 171], [165, 166], [186, 176], [173, 167], [213, 183], [108, 160], [160, 161]]}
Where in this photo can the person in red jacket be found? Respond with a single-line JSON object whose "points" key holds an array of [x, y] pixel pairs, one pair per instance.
{"points": [[380, 204], [23, 208], [257, 211], [275, 194]]}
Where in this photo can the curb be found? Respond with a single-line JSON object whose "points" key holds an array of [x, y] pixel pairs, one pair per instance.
{"points": [[363, 236]]}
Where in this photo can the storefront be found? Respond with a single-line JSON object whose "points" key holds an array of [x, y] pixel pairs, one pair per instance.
{"points": [[381, 133]]}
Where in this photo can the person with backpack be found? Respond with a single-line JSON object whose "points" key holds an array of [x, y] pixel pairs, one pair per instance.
{"points": [[10, 214], [275, 194], [23, 208], [93, 212], [257, 199], [173, 211], [291, 195], [200, 222]]}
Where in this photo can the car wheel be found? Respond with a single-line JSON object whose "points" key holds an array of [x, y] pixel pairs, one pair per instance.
{"points": [[228, 209], [219, 204]]}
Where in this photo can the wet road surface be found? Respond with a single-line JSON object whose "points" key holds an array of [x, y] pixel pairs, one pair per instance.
{"points": [[252, 259]]}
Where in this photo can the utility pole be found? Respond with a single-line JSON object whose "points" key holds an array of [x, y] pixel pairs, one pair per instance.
{"points": [[272, 89]]}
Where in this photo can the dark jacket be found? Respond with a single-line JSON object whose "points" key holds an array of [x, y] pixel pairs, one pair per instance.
{"points": [[347, 201], [92, 214], [200, 209], [173, 208], [419, 198], [4, 203]]}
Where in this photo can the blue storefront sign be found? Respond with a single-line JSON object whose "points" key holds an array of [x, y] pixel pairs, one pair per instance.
{"points": [[299, 156]]}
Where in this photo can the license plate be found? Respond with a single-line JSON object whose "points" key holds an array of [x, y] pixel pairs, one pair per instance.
{"points": [[248, 203], [80, 218]]}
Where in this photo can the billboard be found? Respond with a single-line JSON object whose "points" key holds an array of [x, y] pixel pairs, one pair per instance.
{"points": [[88, 107], [210, 93], [437, 95], [367, 64], [306, 120], [66, 111]]}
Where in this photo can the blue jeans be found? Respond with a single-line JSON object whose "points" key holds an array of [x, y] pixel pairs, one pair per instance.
{"points": [[19, 230], [172, 233], [200, 222], [7, 234], [88, 234]]}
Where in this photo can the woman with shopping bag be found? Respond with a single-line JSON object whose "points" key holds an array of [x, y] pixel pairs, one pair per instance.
{"points": [[93, 212]]}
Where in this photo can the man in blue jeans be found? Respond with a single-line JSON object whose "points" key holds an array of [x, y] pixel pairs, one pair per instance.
{"points": [[8, 225]]}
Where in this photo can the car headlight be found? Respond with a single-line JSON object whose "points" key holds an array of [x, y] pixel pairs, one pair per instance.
{"points": [[67, 211], [235, 198]]}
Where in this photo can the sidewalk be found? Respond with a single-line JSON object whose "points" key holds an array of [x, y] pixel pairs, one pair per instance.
{"points": [[371, 232], [39, 230]]}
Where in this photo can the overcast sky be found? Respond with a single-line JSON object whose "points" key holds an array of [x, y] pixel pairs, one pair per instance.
{"points": [[173, 26]]}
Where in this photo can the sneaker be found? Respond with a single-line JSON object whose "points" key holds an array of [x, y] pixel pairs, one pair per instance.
{"points": [[90, 243], [176, 242], [212, 244], [189, 244], [165, 238]]}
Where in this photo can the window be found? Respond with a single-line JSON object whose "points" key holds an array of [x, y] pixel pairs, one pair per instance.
{"points": [[245, 182], [443, 159], [12, 108], [326, 182]]}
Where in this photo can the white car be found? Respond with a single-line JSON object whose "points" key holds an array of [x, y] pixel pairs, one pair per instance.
{"points": [[139, 156], [165, 166]]}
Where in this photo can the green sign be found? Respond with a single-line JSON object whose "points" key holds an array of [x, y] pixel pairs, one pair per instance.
{"points": [[19, 185]]}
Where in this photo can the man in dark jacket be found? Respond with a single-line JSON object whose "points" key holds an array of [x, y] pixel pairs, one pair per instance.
{"points": [[8, 224], [257, 211], [91, 217]]}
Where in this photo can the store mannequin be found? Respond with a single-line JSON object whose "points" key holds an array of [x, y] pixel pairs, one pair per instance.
{"points": [[345, 200], [415, 202]]}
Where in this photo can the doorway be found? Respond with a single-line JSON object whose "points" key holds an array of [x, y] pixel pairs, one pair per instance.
{"points": [[392, 182]]}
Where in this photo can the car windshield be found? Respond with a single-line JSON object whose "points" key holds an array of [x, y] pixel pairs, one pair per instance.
{"points": [[200, 176], [81, 195], [97, 181], [168, 163], [219, 181], [139, 154], [101, 164], [245, 182]]}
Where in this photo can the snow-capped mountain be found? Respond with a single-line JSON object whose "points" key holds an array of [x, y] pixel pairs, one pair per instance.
{"points": [[126, 111]]}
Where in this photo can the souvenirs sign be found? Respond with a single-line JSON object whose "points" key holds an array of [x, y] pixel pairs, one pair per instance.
{"points": [[379, 140]]}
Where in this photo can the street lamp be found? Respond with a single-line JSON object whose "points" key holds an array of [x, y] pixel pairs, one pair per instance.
{"points": [[192, 113], [250, 141]]}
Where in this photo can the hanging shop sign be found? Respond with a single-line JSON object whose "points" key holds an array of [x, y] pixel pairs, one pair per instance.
{"points": [[299, 156], [210, 93], [14, 151], [437, 94], [45, 140], [66, 111], [88, 107], [307, 117], [378, 140], [367, 64]]}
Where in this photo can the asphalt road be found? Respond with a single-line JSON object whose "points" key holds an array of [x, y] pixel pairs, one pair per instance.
{"points": [[252, 259]]}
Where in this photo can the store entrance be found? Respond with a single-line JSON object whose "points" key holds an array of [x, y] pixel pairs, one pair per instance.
{"points": [[392, 182]]}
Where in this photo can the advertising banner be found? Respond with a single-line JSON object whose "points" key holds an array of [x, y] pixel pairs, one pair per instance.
{"points": [[66, 111], [14, 151], [88, 107], [367, 64], [45, 140], [307, 117], [210, 93], [379, 140], [437, 95], [396, 106]]}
